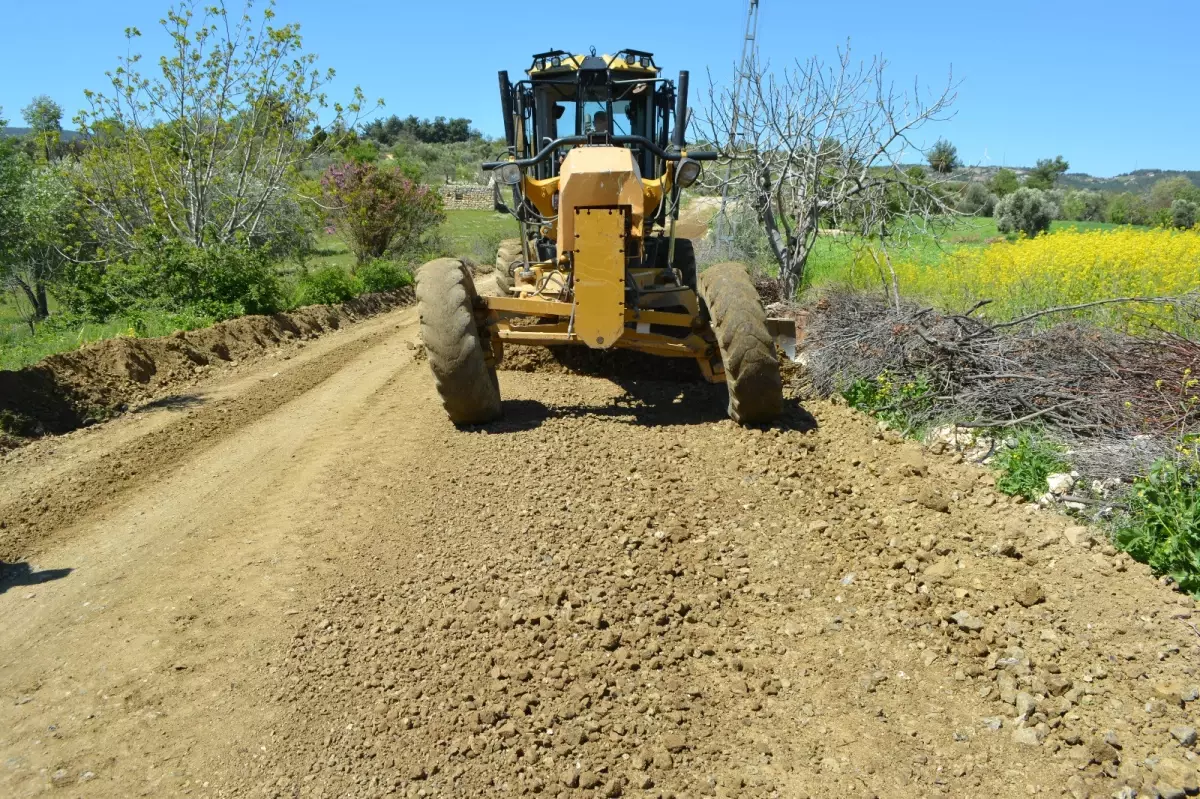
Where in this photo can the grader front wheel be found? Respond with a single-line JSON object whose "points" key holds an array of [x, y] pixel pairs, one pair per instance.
{"points": [[747, 349], [507, 254], [457, 353]]}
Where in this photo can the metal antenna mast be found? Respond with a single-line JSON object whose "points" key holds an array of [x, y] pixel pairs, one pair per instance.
{"points": [[749, 56]]}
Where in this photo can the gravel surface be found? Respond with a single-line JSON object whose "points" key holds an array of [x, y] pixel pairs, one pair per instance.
{"points": [[614, 591]]}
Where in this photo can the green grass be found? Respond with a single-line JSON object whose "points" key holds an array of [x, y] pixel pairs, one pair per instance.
{"points": [[18, 348]]}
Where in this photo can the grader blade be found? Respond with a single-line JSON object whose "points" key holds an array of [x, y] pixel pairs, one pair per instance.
{"points": [[784, 333]]}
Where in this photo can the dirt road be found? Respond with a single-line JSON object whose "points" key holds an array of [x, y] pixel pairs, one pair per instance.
{"points": [[301, 580]]}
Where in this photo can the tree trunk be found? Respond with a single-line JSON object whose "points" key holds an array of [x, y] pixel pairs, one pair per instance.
{"points": [[41, 301]]}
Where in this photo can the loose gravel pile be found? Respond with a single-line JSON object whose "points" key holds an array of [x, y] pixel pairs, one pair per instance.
{"points": [[620, 593]]}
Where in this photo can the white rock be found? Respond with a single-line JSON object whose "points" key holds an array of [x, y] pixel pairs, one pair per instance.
{"points": [[1060, 483]]}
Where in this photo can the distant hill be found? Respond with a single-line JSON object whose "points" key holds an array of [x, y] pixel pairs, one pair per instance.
{"points": [[1137, 181], [67, 135]]}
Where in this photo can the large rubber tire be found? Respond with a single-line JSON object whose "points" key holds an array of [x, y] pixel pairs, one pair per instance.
{"points": [[747, 349], [508, 253], [467, 384], [685, 262]]}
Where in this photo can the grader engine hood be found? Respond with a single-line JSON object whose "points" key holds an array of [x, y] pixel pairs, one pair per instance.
{"points": [[600, 205]]}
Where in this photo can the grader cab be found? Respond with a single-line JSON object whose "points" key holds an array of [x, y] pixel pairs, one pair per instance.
{"points": [[596, 162]]}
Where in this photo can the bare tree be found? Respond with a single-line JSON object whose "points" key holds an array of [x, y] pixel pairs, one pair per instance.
{"points": [[822, 146]]}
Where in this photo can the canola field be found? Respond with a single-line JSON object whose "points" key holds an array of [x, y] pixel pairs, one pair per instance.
{"points": [[1065, 267]]}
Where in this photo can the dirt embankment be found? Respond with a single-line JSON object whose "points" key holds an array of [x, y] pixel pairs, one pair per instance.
{"points": [[74, 389]]}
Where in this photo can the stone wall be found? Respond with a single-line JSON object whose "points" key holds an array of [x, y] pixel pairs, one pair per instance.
{"points": [[466, 196]]}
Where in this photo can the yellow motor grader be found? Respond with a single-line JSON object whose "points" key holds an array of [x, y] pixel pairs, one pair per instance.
{"points": [[596, 162]]}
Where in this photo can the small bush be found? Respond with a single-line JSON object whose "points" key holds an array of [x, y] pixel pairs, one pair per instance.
{"points": [[328, 285], [977, 201], [893, 403], [379, 210], [1026, 465], [383, 276], [1162, 526], [1027, 211], [1183, 214], [1084, 206]]}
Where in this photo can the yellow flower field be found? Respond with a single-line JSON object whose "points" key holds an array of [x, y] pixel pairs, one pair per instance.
{"points": [[1064, 268]]}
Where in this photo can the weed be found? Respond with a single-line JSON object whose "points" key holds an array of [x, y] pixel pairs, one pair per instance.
{"points": [[1026, 464], [893, 403], [1162, 525]]}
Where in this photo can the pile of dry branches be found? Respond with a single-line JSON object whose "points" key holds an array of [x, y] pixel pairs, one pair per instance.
{"points": [[1093, 387]]}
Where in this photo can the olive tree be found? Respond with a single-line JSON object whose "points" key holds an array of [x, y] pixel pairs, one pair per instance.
{"points": [[821, 145], [204, 146]]}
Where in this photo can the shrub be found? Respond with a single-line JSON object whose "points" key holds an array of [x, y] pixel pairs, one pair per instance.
{"points": [[1027, 463], [328, 285], [1162, 526], [377, 210], [218, 282], [1183, 214], [383, 276], [977, 201], [1128, 209], [1084, 206], [1027, 211]]}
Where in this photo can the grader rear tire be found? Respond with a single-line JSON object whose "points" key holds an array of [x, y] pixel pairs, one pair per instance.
{"points": [[747, 349], [465, 381], [508, 253]]}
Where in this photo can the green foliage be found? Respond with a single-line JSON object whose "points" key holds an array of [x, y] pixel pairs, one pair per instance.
{"points": [[1027, 211], [893, 403], [44, 117], [377, 210], [380, 275], [1165, 192], [1183, 214], [977, 201], [1046, 173], [1004, 183], [1162, 525], [326, 286], [1025, 466], [220, 282], [943, 157], [1084, 206], [64, 332], [436, 131], [207, 149], [1128, 208]]}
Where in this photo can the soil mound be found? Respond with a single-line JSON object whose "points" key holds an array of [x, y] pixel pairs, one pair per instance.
{"points": [[74, 389]]}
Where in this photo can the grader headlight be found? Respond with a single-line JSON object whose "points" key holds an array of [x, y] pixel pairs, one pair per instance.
{"points": [[687, 172], [509, 174]]}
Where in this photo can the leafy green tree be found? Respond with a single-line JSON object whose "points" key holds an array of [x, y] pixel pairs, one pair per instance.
{"points": [[436, 131], [1026, 210], [1084, 206], [943, 157], [44, 117], [1128, 208], [1165, 192], [1046, 173], [1004, 182], [207, 150], [36, 220]]}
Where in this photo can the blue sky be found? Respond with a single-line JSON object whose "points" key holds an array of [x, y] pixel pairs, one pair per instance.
{"points": [[1112, 87]]}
